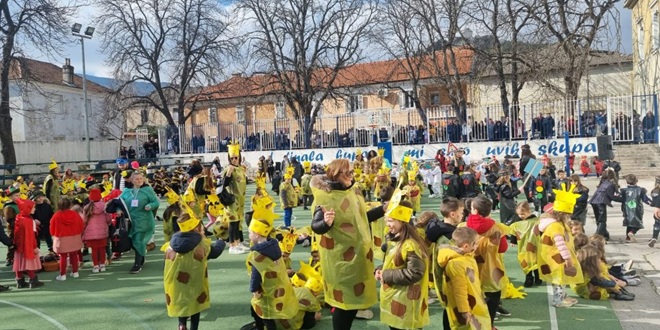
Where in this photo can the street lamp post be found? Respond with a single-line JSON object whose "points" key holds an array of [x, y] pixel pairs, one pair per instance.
{"points": [[89, 31]]}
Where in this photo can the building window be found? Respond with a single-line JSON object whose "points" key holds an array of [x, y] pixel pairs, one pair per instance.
{"points": [[240, 114], [175, 114], [656, 30], [280, 110], [354, 103], [407, 100], [640, 41], [213, 115], [144, 116], [435, 99]]}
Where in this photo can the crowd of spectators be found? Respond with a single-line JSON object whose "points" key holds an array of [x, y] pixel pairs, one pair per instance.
{"points": [[633, 128]]}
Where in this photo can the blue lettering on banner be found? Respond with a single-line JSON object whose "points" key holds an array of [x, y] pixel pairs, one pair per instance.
{"points": [[415, 153], [556, 149], [511, 150], [311, 156]]}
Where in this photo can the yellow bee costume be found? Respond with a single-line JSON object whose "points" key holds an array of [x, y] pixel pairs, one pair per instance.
{"points": [[288, 196], [347, 257], [185, 276], [527, 232], [277, 299], [382, 180], [237, 186], [461, 290], [589, 291], [52, 186], [378, 232], [403, 306], [552, 267]]}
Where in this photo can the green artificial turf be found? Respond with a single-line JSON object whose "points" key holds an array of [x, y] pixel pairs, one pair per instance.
{"points": [[118, 300]]}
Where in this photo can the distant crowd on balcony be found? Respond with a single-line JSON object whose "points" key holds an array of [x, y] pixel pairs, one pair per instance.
{"points": [[624, 127]]}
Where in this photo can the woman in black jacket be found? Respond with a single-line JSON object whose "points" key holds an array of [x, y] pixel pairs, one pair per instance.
{"points": [[603, 197]]}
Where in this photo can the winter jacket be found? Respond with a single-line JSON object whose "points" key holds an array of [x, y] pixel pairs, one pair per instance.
{"points": [[96, 227], [604, 195], [66, 227]]}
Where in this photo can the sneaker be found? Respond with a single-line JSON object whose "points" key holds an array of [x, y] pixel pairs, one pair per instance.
{"points": [[365, 314], [60, 278], [136, 269], [4, 288], [571, 299], [623, 296], [631, 272], [632, 237], [237, 250], [102, 268], [96, 269], [633, 281], [503, 312], [244, 248], [245, 244], [75, 275], [624, 291], [652, 242], [306, 243], [564, 303], [431, 196]]}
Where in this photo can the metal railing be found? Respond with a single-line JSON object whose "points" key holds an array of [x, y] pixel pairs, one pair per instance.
{"points": [[619, 116]]}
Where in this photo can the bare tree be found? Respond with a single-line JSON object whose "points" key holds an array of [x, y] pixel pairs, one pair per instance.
{"points": [[25, 23], [574, 26], [401, 35], [443, 22], [172, 45], [304, 45], [504, 29]]}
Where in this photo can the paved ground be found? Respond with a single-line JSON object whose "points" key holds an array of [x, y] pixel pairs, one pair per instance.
{"points": [[125, 301], [644, 312]]}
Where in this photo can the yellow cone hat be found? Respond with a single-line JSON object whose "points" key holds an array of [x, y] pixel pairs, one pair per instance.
{"points": [[53, 165]]}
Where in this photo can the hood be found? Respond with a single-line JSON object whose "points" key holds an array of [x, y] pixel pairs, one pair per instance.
{"points": [[24, 206], [479, 223], [321, 182], [436, 229], [545, 221], [184, 242], [99, 208], [269, 248], [69, 218], [448, 253]]}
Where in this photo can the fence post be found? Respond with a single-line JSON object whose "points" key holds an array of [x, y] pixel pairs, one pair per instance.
{"points": [[487, 124], [656, 134], [524, 132], [428, 126], [579, 118]]}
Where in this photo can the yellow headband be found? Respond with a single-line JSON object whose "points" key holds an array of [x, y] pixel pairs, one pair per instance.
{"points": [[189, 224], [397, 211]]}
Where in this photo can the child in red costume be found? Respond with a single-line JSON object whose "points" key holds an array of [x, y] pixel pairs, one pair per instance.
{"points": [[26, 255], [584, 166], [598, 165], [492, 241], [66, 226], [96, 229]]}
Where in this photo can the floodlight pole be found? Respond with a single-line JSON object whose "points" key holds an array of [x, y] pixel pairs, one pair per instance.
{"points": [[84, 86]]}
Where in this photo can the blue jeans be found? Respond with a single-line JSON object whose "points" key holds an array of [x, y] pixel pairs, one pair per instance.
{"points": [[288, 212]]}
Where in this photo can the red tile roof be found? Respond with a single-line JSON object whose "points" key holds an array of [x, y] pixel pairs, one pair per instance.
{"points": [[47, 73], [360, 74]]}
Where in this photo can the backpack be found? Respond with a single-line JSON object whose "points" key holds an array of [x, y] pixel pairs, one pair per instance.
{"points": [[120, 240]]}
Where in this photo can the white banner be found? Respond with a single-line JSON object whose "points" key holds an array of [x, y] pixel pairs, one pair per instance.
{"points": [[473, 150]]}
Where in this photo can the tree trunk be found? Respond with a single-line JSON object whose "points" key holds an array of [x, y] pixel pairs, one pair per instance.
{"points": [[308, 125], [6, 137]]}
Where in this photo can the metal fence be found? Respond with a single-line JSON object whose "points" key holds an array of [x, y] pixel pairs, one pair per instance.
{"points": [[619, 116]]}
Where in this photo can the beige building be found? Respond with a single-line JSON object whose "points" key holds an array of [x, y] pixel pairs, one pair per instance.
{"points": [[646, 45], [608, 74]]}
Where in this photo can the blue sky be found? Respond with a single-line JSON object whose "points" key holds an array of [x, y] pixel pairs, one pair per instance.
{"points": [[96, 66]]}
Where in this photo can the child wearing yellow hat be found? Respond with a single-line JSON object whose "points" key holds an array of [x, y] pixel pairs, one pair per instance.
{"points": [[185, 274], [273, 297], [288, 198], [404, 275], [308, 285], [558, 263], [307, 197]]}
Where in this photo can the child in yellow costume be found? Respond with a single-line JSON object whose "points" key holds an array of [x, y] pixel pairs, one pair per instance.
{"points": [[527, 233], [461, 288], [414, 192], [309, 306], [287, 243], [404, 276], [171, 214], [185, 273], [382, 180], [558, 264], [305, 189], [273, 297], [491, 244], [288, 198], [359, 163], [598, 283]]}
